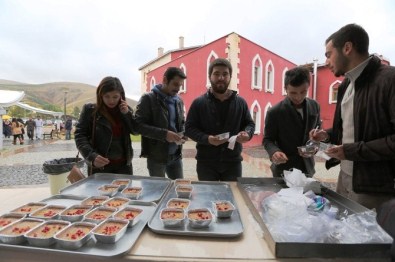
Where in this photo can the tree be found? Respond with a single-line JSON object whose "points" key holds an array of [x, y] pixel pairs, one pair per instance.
{"points": [[76, 111]]}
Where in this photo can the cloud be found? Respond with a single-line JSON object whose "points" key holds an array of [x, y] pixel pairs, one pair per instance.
{"points": [[86, 40]]}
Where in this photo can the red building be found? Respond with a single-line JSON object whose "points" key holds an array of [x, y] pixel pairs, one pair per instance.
{"points": [[258, 76]]}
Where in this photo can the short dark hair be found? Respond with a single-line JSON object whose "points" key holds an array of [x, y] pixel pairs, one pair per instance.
{"points": [[172, 72], [219, 62], [351, 33], [297, 76]]}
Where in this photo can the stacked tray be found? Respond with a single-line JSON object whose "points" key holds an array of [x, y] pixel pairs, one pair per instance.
{"points": [[202, 197], [153, 187], [254, 190]]}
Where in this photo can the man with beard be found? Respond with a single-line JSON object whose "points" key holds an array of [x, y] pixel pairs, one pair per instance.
{"points": [[295, 112], [364, 122], [161, 122], [218, 111]]}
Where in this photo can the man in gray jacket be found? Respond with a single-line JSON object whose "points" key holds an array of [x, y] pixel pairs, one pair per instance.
{"points": [[161, 122]]}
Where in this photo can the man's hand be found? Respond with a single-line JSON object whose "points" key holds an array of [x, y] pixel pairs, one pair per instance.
{"points": [[318, 135], [279, 158], [243, 137], [336, 152], [173, 137], [100, 161], [215, 141]]}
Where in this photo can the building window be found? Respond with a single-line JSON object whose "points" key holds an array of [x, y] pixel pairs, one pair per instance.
{"points": [[257, 73], [210, 59], [269, 83], [183, 88], [152, 83], [284, 92], [256, 116], [267, 107], [334, 87]]}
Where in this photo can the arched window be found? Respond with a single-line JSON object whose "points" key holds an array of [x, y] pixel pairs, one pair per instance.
{"points": [[210, 58], [183, 88], [256, 116], [152, 83], [284, 93], [334, 87], [269, 83], [267, 107], [256, 78]]}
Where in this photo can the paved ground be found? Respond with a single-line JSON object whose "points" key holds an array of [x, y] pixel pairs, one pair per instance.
{"points": [[21, 165]]}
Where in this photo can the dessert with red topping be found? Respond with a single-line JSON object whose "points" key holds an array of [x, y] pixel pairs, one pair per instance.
{"points": [[110, 230], [178, 203], [132, 192], [108, 190], [75, 213], [7, 219], [28, 208], [172, 216], [182, 181], [184, 191], [75, 235], [116, 202], [48, 212], [200, 217], [99, 214], [14, 233], [122, 183], [129, 213], [223, 208], [42, 235], [94, 200]]}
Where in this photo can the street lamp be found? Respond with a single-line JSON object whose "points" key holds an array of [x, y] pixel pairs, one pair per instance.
{"points": [[65, 102]]}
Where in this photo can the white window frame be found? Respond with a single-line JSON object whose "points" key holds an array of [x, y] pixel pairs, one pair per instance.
{"points": [[269, 81], [258, 120], [258, 86], [183, 88], [331, 87], [211, 55]]}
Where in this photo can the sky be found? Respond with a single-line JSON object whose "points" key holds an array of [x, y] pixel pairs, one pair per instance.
{"points": [[44, 41]]}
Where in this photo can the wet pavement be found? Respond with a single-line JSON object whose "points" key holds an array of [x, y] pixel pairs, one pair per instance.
{"points": [[21, 165]]}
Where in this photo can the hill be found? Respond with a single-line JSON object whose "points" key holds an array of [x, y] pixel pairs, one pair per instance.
{"points": [[38, 95]]}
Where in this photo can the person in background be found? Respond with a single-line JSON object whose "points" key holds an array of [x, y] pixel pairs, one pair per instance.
{"points": [[30, 126], [103, 131], [68, 127], [363, 130], [161, 122], [16, 128], [39, 127], [218, 111], [7, 130], [288, 123]]}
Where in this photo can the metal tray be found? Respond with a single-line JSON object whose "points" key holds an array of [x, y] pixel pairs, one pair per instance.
{"points": [[202, 196], [304, 249], [153, 187], [93, 247]]}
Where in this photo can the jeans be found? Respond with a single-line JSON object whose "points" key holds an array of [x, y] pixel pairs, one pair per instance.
{"points": [[173, 168], [218, 171], [68, 134]]}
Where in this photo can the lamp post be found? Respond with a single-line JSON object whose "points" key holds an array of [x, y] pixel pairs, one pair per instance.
{"points": [[65, 102]]}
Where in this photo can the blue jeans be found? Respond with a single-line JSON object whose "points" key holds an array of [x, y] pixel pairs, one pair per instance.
{"points": [[173, 168], [68, 134]]}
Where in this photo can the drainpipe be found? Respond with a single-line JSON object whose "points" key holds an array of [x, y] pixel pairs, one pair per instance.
{"points": [[315, 60]]}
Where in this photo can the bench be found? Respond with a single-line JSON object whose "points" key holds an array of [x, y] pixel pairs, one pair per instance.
{"points": [[49, 135]]}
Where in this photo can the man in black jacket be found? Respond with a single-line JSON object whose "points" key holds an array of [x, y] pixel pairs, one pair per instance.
{"points": [[364, 123], [219, 111], [287, 125], [161, 122]]}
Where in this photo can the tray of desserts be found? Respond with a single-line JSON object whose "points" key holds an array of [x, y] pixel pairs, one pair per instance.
{"points": [[142, 188], [327, 225], [93, 226], [198, 209]]}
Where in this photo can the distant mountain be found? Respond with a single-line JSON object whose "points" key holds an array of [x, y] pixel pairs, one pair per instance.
{"points": [[77, 95]]}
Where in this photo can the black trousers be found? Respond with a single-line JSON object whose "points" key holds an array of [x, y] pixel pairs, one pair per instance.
{"points": [[218, 171]]}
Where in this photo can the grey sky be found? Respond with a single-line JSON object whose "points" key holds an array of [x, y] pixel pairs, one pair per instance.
{"points": [[45, 41]]}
